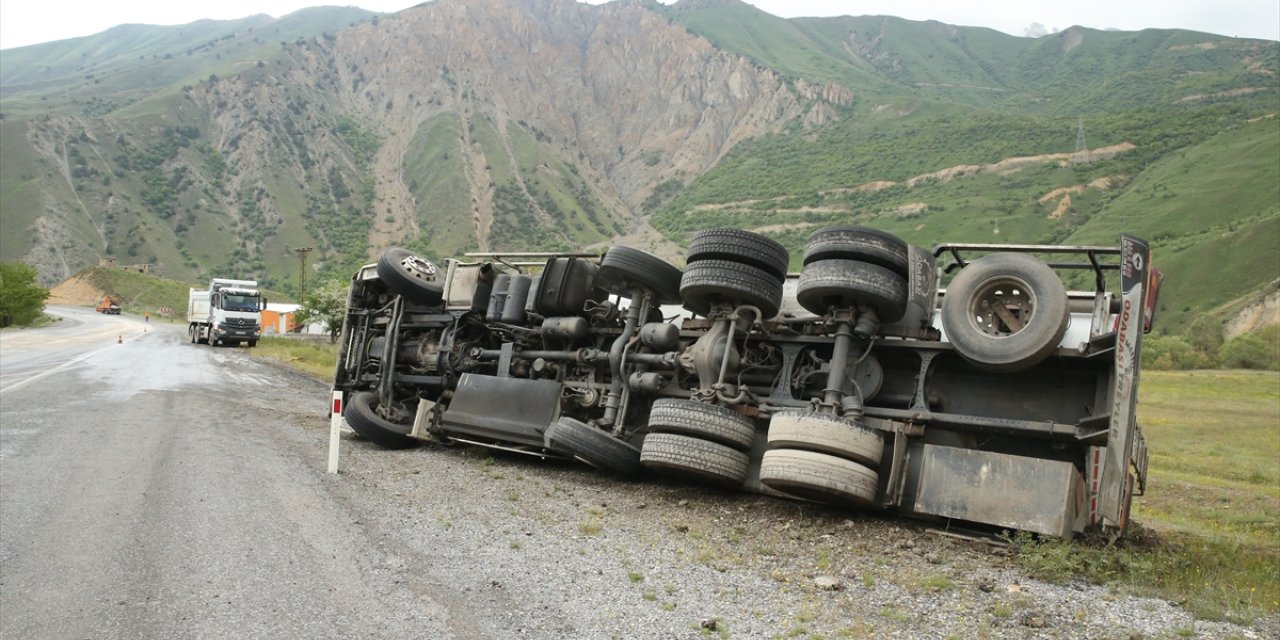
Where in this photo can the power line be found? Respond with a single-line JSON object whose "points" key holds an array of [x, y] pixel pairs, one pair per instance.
{"points": [[1082, 149], [302, 272]]}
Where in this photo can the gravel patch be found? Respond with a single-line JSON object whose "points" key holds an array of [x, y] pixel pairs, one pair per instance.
{"points": [[548, 549]]}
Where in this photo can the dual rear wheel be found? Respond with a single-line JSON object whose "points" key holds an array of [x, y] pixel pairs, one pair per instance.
{"points": [[823, 458], [731, 267], [698, 440]]}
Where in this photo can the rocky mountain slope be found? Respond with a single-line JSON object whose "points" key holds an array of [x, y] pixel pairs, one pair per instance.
{"points": [[220, 147], [459, 125]]}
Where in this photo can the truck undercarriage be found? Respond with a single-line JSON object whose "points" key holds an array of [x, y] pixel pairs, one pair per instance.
{"points": [[1002, 400]]}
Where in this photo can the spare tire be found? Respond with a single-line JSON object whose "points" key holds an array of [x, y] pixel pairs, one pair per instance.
{"points": [[1005, 312], [863, 244], [738, 245], [409, 275]]}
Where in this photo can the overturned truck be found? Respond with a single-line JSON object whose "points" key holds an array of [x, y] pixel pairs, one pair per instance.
{"points": [[1002, 400]]}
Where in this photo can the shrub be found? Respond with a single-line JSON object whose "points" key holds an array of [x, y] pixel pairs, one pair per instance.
{"points": [[1258, 350], [21, 300], [1172, 353]]}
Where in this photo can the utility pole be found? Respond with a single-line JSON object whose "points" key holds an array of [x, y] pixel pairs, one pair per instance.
{"points": [[302, 272]]}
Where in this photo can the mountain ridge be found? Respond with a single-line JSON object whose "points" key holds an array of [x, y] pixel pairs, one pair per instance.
{"points": [[548, 124]]}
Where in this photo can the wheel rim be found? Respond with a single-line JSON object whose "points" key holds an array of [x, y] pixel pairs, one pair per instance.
{"points": [[417, 267], [1002, 307]]}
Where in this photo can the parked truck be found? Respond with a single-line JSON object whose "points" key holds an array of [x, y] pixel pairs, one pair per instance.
{"points": [[963, 384], [229, 312], [109, 305]]}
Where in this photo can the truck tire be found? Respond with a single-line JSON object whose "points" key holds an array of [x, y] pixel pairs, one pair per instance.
{"points": [[843, 283], [364, 420], [694, 458], [593, 446], [864, 244], [411, 276], [1026, 290], [623, 269], [709, 281], [191, 333], [840, 437], [818, 476], [737, 245], [701, 420], [253, 343]]}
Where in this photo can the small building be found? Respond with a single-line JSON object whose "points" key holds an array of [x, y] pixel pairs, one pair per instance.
{"points": [[277, 319]]}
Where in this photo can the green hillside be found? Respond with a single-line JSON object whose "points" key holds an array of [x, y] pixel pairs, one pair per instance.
{"points": [[221, 146], [1194, 115], [140, 292], [1212, 212], [436, 157], [97, 74], [1074, 72]]}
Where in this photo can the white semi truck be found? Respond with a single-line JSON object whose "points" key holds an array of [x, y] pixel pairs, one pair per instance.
{"points": [[228, 312]]}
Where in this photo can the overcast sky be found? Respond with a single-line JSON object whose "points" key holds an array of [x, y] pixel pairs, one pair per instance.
{"points": [[24, 22]]}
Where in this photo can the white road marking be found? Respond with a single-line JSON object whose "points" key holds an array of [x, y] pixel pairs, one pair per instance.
{"points": [[43, 374]]}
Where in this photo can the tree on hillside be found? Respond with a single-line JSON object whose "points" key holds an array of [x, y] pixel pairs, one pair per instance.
{"points": [[325, 304], [1205, 334], [21, 300]]}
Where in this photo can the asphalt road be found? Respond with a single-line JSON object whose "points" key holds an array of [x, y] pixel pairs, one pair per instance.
{"points": [[151, 488]]}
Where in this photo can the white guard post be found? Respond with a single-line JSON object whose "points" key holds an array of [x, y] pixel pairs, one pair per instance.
{"points": [[335, 430]]}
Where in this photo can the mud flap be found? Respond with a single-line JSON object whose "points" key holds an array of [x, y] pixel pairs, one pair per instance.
{"points": [[511, 410], [998, 489]]}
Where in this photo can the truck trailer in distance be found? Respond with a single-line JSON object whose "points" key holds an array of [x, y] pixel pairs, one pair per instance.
{"points": [[110, 305]]}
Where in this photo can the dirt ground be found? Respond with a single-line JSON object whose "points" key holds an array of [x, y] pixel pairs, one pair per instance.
{"points": [[75, 292]]}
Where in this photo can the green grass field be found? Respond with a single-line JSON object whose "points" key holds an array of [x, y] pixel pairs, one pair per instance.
{"points": [[1215, 453], [1214, 488], [1207, 533]]}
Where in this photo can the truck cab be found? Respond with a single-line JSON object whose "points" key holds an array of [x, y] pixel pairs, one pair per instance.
{"points": [[229, 312]]}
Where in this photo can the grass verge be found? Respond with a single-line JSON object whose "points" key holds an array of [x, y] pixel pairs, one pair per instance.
{"points": [[1208, 530], [315, 359]]}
